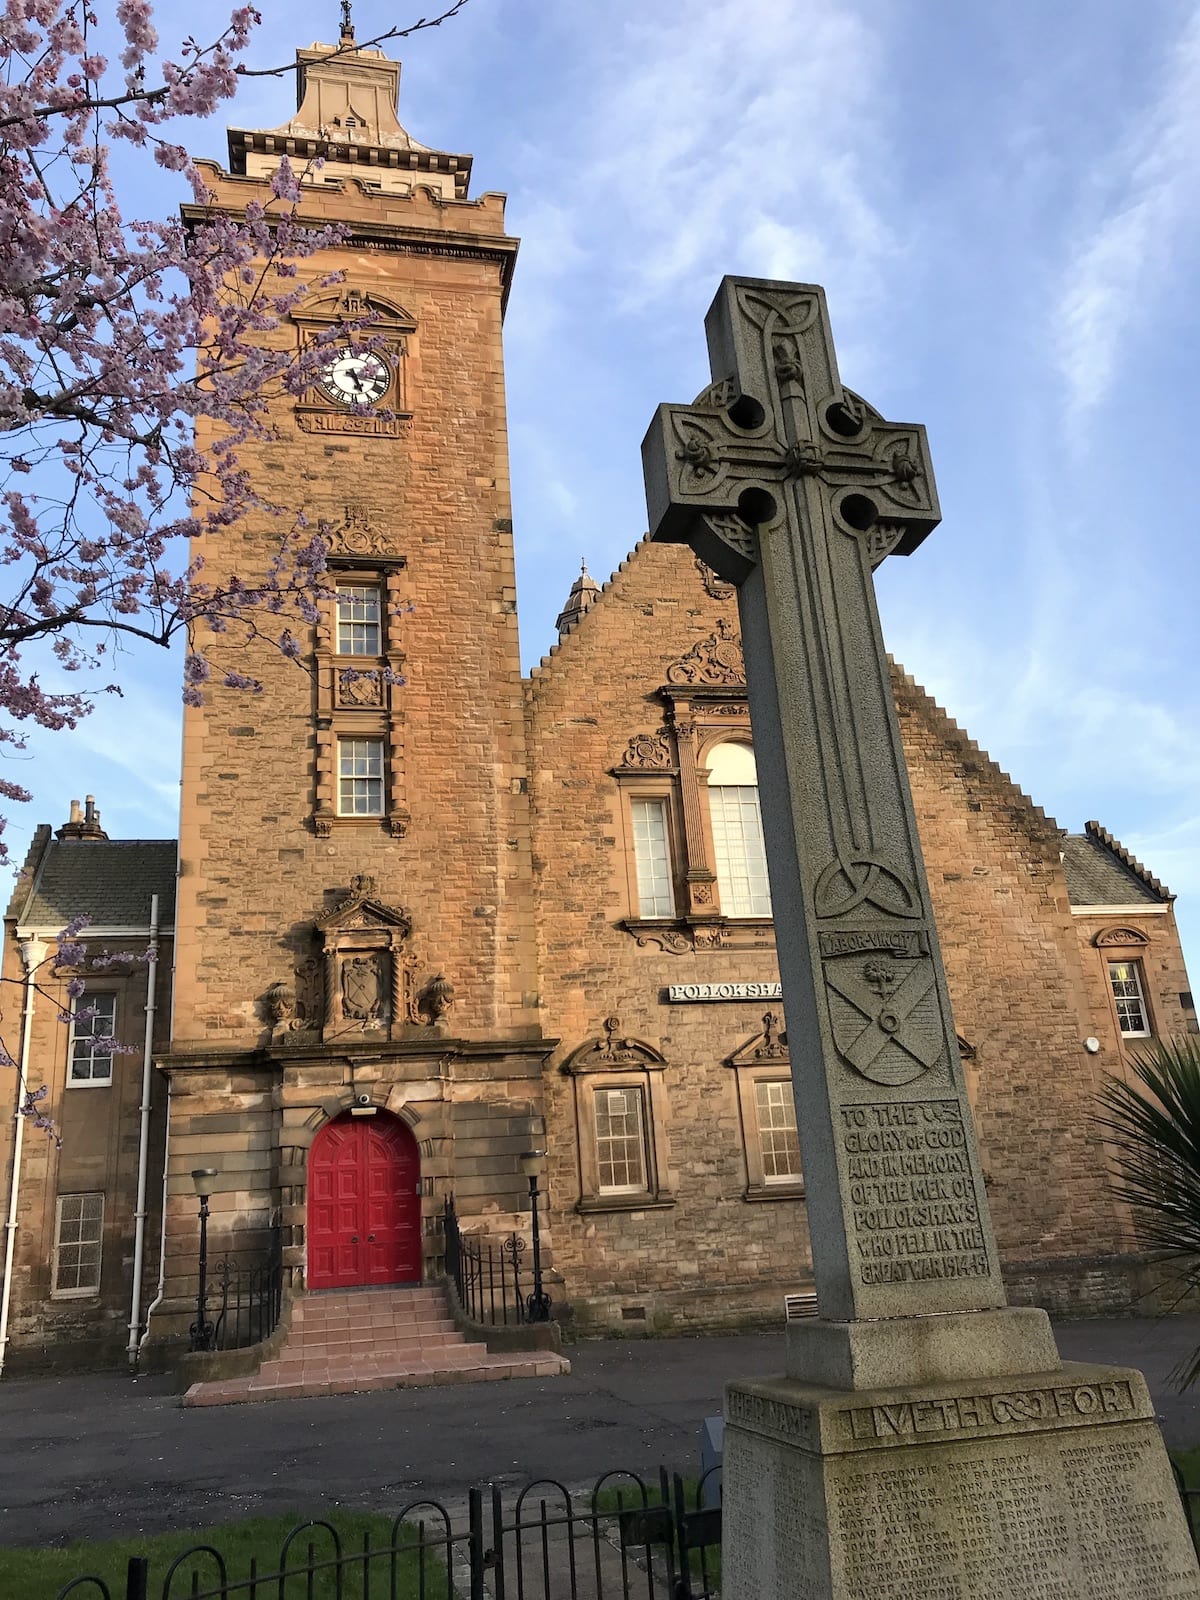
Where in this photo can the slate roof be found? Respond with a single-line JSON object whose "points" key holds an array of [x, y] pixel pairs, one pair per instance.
{"points": [[1101, 872], [110, 881]]}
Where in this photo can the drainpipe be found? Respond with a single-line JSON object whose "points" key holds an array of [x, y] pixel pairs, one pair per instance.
{"points": [[162, 1236], [139, 1215], [33, 952]]}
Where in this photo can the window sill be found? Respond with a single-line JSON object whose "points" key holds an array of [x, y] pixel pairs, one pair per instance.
{"points": [[76, 1294], [625, 1202], [88, 1083], [754, 1193]]}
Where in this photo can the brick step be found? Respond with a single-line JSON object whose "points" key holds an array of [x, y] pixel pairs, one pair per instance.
{"points": [[344, 1343], [366, 1324], [292, 1357], [485, 1369]]}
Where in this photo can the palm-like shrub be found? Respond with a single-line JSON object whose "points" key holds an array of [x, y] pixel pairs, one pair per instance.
{"points": [[1153, 1125]]}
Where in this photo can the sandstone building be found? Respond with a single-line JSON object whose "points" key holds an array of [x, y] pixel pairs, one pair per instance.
{"points": [[429, 913]]}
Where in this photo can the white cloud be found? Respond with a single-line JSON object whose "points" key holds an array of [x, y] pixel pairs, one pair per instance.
{"points": [[1131, 249], [729, 138]]}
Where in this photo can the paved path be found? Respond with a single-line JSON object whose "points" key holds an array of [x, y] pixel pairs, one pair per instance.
{"points": [[106, 1454]]}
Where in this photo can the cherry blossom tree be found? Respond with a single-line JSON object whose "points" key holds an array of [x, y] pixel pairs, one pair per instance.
{"points": [[116, 336]]}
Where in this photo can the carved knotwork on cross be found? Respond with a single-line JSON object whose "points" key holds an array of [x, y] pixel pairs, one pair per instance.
{"points": [[778, 458]]}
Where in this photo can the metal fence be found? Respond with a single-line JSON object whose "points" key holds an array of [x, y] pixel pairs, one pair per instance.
{"points": [[248, 1301], [487, 1275], [624, 1539]]}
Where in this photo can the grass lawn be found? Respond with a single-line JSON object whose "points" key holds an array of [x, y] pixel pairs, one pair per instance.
{"points": [[27, 1574]]}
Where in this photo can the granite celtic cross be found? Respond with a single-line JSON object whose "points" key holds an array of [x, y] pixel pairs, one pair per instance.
{"points": [[794, 489]]}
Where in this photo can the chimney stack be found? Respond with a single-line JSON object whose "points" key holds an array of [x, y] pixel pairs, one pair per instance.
{"points": [[83, 823]]}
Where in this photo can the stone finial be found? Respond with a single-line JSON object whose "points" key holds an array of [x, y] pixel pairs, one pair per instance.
{"points": [[347, 35], [585, 591], [83, 823], [438, 997]]}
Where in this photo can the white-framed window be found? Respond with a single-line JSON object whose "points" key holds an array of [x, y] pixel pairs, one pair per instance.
{"points": [[652, 857], [360, 777], [740, 856], [1126, 980], [359, 619], [78, 1236], [779, 1144], [620, 1140], [93, 1024]]}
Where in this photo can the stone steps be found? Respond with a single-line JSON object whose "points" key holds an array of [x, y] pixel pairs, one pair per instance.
{"points": [[348, 1341]]}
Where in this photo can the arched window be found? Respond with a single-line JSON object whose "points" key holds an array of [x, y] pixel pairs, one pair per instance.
{"points": [[740, 857]]}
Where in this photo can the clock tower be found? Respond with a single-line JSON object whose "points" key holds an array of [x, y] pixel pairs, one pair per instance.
{"points": [[355, 943]]}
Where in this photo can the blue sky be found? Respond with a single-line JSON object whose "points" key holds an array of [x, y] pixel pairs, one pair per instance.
{"points": [[1002, 203]]}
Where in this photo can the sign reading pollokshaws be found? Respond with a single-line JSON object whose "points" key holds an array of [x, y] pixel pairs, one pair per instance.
{"points": [[724, 991]]}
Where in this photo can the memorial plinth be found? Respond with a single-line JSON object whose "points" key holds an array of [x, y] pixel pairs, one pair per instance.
{"points": [[925, 1443], [1052, 1486]]}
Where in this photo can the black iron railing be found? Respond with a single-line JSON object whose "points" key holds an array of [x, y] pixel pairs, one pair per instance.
{"points": [[486, 1273], [248, 1300], [624, 1539]]}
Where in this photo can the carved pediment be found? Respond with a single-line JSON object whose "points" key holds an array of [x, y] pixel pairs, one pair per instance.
{"points": [[354, 534], [352, 303], [716, 661], [614, 1052], [769, 1045], [1120, 936], [361, 909]]}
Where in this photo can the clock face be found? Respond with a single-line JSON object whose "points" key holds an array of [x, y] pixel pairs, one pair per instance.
{"points": [[354, 378]]}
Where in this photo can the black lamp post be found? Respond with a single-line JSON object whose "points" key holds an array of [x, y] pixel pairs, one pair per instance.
{"points": [[537, 1306], [203, 1333]]}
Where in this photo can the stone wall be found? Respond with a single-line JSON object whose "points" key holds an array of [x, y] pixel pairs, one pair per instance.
{"points": [[705, 1255]]}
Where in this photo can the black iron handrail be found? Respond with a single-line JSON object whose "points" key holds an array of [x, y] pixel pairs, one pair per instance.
{"points": [[486, 1274], [249, 1299]]}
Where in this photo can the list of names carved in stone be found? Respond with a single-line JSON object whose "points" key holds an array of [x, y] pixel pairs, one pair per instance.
{"points": [[1050, 1519]]}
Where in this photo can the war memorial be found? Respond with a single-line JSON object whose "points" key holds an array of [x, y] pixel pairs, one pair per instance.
{"points": [[925, 1442]]}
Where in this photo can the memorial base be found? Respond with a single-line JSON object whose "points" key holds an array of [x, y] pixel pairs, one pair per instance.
{"points": [[1050, 1486]]}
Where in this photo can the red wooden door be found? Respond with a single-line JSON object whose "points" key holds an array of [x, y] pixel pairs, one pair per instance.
{"points": [[364, 1213]]}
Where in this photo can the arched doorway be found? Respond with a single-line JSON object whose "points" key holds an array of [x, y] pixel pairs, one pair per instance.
{"points": [[364, 1212]]}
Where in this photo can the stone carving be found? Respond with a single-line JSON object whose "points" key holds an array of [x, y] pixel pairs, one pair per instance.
{"points": [[772, 1045], [1119, 936], [648, 752], [884, 1016], [715, 662], [309, 993], [363, 991], [359, 688], [345, 422], [670, 940], [279, 1003], [713, 586], [355, 535], [437, 998], [844, 885], [323, 824], [613, 1047], [612, 1051], [882, 539]]}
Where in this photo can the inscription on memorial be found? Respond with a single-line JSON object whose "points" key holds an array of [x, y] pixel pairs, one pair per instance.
{"points": [[966, 1413], [913, 1204], [1049, 1522]]}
